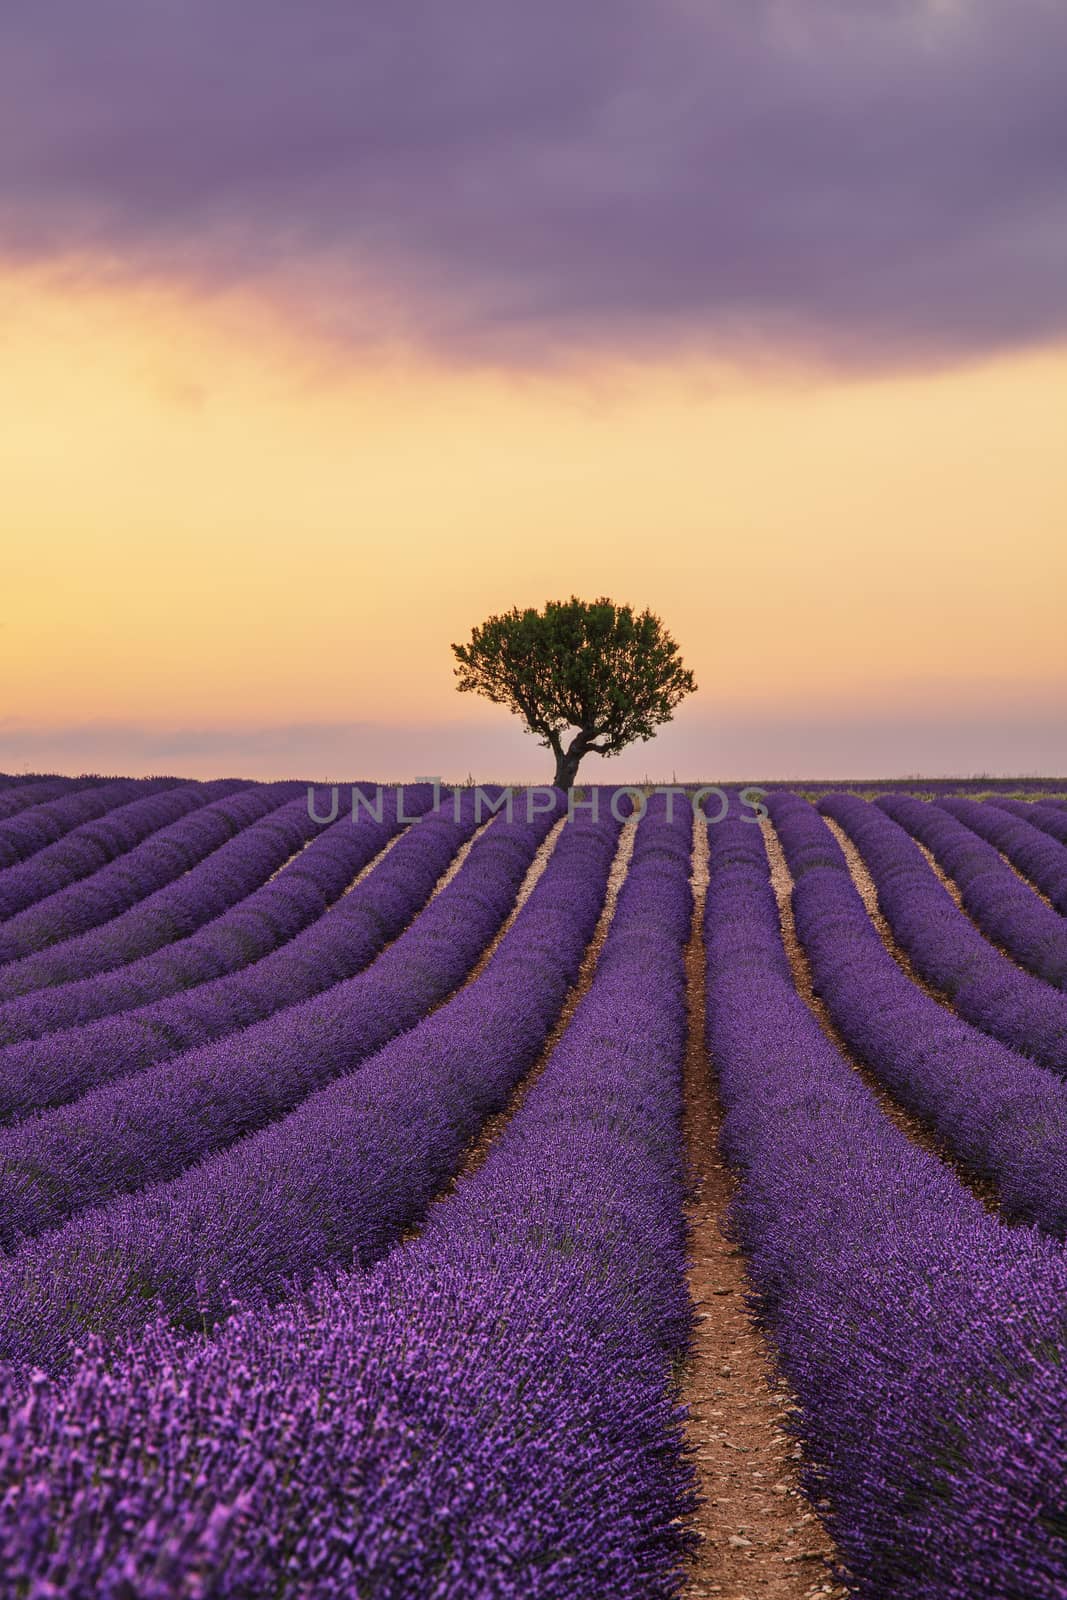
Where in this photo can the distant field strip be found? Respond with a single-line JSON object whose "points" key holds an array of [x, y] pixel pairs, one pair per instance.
{"points": [[550, 1288]]}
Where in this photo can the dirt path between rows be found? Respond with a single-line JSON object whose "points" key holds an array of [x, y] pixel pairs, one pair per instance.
{"points": [[759, 1538]]}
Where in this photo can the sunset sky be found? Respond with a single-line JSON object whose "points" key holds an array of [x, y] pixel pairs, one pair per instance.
{"points": [[328, 329]]}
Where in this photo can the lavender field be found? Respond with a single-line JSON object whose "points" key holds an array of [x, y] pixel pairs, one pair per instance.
{"points": [[555, 1201]]}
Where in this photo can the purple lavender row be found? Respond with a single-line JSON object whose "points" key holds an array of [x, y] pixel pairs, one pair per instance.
{"points": [[922, 1338], [499, 1390], [24, 792], [256, 923], [1049, 818], [341, 1176], [946, 947], [150, 1127], [114, 888], [34, 829], [1005, 909], [1005, 1117], [69, 983], [86, 849], [335, 934], [1037, 857]]}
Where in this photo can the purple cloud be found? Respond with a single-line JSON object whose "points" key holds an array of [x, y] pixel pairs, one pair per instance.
{"points": [[875, 180]]}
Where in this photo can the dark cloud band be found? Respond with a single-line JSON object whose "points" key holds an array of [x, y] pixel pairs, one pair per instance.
{"points": [[871, 180]]}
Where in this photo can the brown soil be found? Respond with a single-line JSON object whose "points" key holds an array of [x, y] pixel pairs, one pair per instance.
{"points": [[759, 1538], [906, 1121], [942, 876]]}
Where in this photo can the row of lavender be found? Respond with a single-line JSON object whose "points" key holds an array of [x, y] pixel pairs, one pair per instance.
{"points": [[924, 1339], [41, 825], [151, 1125], [1004, 1116], [61, 913], [486, 1411], [948, 950], [1005, 907], [268, 833], [324, 928], [312, 1226], [18, 793]]}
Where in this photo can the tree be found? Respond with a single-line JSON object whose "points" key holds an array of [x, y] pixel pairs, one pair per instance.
{"points": [[593, 666]]}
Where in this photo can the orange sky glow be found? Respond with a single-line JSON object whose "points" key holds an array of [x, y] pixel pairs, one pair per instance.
{"points": [[217, 529]]}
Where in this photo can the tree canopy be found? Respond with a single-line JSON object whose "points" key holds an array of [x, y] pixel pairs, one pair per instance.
{"points": [[613, 675]]}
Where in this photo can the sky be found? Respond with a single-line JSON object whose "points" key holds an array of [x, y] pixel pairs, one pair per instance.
{"points": [[328, 330]]}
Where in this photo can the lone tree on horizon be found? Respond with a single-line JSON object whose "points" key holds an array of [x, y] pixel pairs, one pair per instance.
{"points": [[593, 666]]}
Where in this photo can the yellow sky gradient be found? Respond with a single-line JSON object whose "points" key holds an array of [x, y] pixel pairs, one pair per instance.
{"points": [[209, 520]]}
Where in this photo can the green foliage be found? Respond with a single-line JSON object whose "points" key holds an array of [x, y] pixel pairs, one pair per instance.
{"points": [[593, 666]]}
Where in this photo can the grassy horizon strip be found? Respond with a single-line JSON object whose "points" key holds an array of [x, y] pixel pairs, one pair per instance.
{"points": [[984, 986]]}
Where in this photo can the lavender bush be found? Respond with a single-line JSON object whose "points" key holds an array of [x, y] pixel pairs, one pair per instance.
{"points": [[339, 942], [86, 849], [1002, 905], [944, 944], [230, 875], [1036, 855], [345, 1173], [922, 1338], [1049, 818], [113, 888], [499, 1419], [20, 793], [35, 829], [148, 1128], [1003, 1116]]}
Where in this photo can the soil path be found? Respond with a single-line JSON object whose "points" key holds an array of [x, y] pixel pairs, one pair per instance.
{"points": [[759, 1538]]}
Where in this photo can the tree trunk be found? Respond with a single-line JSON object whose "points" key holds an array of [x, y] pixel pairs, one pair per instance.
{"points": [[567, 762]]}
